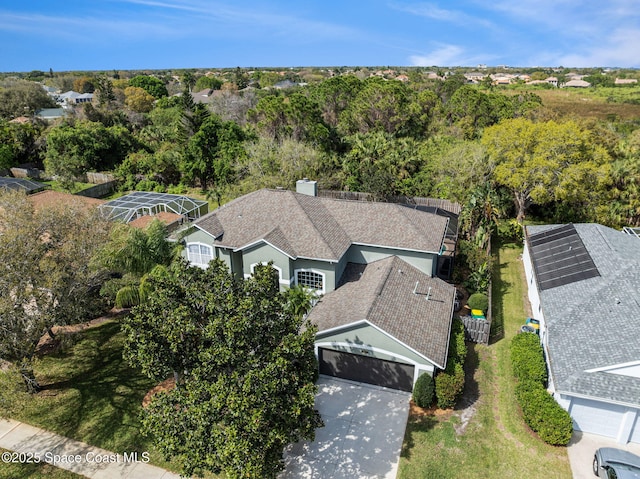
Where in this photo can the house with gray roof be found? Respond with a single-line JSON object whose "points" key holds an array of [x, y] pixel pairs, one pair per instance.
{"points": [[381, 308], [584, 287]]}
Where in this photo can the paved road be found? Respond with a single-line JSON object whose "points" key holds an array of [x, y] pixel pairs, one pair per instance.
{"points": [[31, 443]]}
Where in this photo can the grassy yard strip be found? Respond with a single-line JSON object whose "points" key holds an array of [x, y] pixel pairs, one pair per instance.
{"points": [[89, 394], [495, 442]]}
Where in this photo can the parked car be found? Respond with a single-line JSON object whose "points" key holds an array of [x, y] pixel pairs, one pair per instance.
{"points": [[612, 463]]}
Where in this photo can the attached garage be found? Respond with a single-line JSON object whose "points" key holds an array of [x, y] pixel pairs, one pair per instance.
{"points": [[356, 367], [598, 418], [388, 324]]}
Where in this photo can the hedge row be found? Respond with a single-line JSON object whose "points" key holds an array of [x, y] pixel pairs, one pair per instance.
{"points": [[543, 414], [540, 411], [450, 382], [527, 358]]}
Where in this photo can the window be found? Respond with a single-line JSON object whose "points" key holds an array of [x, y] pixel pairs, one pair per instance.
{"points": [[310, 279], [199, 254]]}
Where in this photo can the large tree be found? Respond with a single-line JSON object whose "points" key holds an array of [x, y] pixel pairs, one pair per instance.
{"points": [[211, 153], [72, 150], [547, 161], [152, 85], [22, 98], [46, 273], [243, 363]]}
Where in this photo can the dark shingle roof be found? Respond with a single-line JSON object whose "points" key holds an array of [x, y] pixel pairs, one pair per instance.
{"points": [[384, 295], [322, 228], [593, 323]]}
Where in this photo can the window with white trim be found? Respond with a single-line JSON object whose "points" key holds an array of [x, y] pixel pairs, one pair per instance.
{"points": [[199, 254], [310, 279]]}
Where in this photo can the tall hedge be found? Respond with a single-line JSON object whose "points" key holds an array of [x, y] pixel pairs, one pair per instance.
{"points": [[540, 411], [449, 385], [543, 414], [527, 358], [423, 390], [450, 382]]}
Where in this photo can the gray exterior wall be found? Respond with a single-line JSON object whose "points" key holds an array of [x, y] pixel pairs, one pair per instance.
{"points": [[329, 270], [263, 253], [363, 337], [425, 262]]}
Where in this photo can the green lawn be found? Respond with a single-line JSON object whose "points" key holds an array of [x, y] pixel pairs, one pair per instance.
{"points": [[495, 441], [89, 394]]}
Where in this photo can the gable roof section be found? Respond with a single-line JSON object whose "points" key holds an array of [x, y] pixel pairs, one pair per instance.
{"points": [[593, 323], [321, 228], [384, 296]]}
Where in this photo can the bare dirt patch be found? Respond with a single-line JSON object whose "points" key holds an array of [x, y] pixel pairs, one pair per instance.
{"points": [[48, 344]]}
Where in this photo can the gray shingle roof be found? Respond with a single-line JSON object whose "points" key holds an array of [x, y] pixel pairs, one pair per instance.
{"points": [[594, 323], [384, 296], [321, 228]]}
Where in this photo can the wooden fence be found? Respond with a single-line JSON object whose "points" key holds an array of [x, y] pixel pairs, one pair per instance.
{"points": [[99, 191], [476, 330]]}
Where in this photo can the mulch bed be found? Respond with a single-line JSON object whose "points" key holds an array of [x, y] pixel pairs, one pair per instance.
{"points": [[166, 385], [48, 345]]}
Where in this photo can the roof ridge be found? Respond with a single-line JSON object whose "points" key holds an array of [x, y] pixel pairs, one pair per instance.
{"points": [[300, 199], [391, 260], [405, 209]]}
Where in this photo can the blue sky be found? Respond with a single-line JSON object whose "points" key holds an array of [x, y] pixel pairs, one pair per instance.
{"points": [[160, 34]]}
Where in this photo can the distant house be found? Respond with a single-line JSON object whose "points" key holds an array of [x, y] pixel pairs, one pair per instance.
{"points": [[285, 84], [72, 98], [383, 316], [206, 96], [625, 81], [584, 287], [576, 84], [50, 114], [475, 77]]}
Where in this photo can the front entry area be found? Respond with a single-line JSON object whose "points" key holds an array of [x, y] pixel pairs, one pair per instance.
{"points": [[365, 369]]}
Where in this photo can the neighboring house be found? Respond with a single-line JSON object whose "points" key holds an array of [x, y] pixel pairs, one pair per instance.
{"points": [[396, 315], [576, 84], [625, 81], [50, 114], [584, 287], [72, 98]]}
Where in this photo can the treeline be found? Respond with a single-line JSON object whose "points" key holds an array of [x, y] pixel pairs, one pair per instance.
{"points": [[497, 151]]}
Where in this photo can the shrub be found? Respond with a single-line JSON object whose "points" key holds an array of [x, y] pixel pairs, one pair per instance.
{"points": [[527, 358], [423, 390], [543, 414], [457, 345], [449, 385], [478, 301]]}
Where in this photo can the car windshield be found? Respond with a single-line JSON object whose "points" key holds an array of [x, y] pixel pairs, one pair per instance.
{"points": [[623, 471]]}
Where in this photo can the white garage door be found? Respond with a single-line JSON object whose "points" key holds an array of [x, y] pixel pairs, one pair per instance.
{"points": [[597, 417], [635, 433]]}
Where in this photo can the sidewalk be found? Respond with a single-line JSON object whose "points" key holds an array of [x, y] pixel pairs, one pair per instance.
{"points": [[34, 443]]}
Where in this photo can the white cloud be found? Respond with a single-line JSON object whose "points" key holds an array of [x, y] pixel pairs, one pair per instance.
{"points": [[618, 49], [444, 55], [432, 11]]}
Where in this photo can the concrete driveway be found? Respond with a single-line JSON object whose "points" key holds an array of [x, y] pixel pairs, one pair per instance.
{"points": [[362, 436], [582, 447]]}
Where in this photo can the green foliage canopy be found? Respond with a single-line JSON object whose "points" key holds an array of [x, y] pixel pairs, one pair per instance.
{"points": [[244, 365]]}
